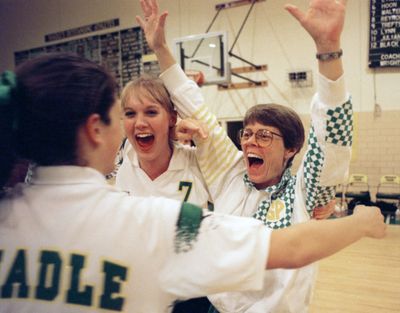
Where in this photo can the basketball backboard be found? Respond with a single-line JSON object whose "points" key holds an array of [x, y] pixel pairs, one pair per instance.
{"points": [[206, 53]]}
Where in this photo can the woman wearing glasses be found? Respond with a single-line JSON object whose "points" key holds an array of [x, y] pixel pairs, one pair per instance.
{"points": [[258, 181]]}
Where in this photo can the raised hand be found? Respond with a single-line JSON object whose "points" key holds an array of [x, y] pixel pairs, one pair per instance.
{"points": [[153, 24], [323, 20]]}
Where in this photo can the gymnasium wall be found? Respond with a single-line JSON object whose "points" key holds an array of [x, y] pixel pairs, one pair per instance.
{"points": [[376, 145], [270, 36]]}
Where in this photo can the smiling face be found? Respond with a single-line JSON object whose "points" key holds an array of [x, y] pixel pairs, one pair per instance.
{"points": [[265, 165], [266, 160], [147, 125]]}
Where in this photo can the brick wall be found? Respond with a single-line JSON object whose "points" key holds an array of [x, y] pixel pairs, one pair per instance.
{"points": [[376, 146]]}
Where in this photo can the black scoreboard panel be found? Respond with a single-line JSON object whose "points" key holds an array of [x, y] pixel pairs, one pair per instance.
{"points": [[384, 43], [131, 54], [120, 51], [110, 53]]}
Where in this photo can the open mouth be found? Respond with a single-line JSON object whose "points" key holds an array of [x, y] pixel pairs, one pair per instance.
{"points": [[254, 160], [144, 140]]}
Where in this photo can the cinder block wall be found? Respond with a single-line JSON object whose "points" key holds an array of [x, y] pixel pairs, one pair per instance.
{"points": [[376, 147]]}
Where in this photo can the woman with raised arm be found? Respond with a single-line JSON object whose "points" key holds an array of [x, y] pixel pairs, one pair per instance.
{"points": [[71, 242], [258, 182], [153, 162]]}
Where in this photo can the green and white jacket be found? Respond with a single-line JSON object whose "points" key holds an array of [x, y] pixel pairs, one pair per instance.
{"points": [[292, 200]]}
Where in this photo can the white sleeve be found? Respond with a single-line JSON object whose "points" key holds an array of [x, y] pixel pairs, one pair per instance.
{"points": [[184, 92], [218, 157], [215, 253], [327, 159], [332, 119]]}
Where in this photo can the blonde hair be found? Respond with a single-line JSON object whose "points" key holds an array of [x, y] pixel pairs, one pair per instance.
{"points": [[151, 87]]}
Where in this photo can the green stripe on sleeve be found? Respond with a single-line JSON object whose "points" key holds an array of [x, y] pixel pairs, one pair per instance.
{"points": [[187, 228]]}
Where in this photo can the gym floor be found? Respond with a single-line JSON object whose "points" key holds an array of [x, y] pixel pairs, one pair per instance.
{"points": [[363, 278]]}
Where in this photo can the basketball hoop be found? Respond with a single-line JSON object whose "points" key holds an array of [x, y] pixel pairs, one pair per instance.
{"points": [[196, 76]]}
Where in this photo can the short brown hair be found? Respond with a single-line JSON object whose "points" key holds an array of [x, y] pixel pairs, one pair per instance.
{"points": [[281, 117]]}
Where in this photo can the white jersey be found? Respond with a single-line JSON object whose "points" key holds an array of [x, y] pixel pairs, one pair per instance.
{"points": [[291, 201], [182, 181], [70, 242]]}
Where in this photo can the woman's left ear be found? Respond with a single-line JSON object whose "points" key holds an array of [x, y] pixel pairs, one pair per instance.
{"points": [[93, 128], [290, 153]]}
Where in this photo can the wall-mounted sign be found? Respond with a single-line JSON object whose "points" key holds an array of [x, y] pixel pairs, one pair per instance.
{"points": [[384, 43], [82, 30], [124, 53]]}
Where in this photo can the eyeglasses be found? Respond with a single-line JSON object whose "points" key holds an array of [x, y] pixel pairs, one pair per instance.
{"points": [[263, 136]]}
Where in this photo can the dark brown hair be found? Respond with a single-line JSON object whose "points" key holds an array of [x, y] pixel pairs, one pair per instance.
{"points": [[281, 117], [55, 95]]}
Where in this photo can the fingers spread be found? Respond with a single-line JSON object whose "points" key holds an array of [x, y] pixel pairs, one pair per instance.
{"points": [[140, 21], [162, 19], [295, 12], [145, 7]]}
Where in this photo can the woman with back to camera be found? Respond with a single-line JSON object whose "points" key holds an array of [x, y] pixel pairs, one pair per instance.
{"points": [[258, 182]]}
